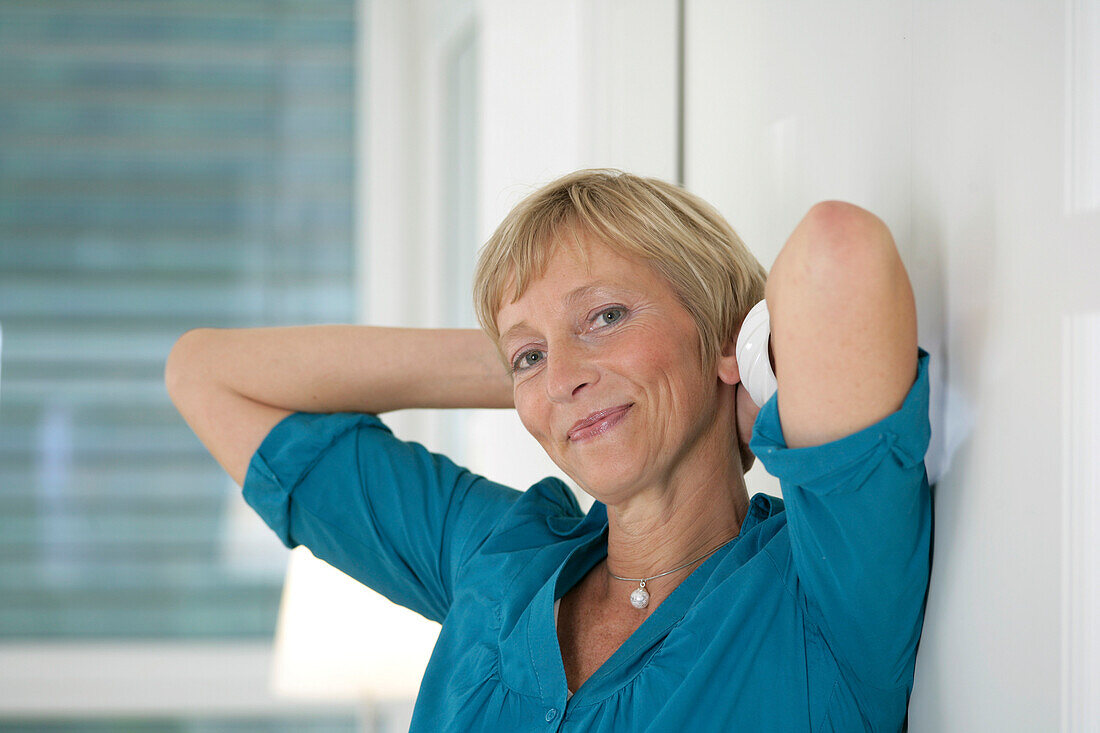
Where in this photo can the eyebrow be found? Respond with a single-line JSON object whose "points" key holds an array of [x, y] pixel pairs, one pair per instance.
{"points": [[571, 298]]}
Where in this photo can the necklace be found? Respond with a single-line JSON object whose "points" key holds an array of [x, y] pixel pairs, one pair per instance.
{"points": [[640, 597]]}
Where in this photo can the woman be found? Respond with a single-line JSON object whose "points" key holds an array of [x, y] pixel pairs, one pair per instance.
{"points": [[614, 303]]}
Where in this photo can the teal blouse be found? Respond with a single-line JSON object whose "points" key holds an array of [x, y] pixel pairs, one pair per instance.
{"points": [[808, 621]]}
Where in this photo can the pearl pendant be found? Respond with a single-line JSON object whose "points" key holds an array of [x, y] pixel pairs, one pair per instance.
{"points": [[640, 597]]}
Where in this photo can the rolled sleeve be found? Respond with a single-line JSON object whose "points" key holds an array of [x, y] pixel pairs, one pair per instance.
{"points": [[859, 516], [387, 512]]}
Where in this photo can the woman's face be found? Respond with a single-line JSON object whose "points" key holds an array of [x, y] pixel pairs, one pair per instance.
{"points": [[610, 345]]}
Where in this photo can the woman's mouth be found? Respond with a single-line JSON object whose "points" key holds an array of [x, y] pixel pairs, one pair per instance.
{"points": [[598, 423]]}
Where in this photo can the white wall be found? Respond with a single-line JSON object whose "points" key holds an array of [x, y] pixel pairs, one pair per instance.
{"points": [[970, 128]]}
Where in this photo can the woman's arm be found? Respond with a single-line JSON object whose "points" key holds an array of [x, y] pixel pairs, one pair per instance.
{"points": [[233, 385], [844, 325]]}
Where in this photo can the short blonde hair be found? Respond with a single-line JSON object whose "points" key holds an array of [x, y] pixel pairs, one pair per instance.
{"points": [[683, 238]]}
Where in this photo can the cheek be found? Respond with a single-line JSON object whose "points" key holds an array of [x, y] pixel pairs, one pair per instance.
{"points": [[532, 415], [675, 376], [659, 366]]}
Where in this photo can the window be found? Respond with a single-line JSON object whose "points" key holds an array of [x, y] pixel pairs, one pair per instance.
{"points": [[163, 166]]}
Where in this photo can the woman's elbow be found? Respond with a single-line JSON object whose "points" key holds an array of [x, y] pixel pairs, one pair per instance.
{"points": [[181, 365], [841, 230]]}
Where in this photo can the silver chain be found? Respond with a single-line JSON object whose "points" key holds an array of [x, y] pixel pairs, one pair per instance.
{"points": [[646, 580]]}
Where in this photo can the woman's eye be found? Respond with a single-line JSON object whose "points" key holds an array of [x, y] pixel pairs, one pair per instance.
{"points": [[526, 360], [611, 315]]}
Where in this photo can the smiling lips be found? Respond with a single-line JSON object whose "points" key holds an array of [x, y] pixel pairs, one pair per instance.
{"points": [[598, 422]]}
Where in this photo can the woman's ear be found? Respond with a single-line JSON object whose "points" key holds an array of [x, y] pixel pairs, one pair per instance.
{"points": [[728, 369], [745, 409]]}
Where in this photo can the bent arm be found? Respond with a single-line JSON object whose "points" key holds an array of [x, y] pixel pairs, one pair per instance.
{"points": [[848, 436], [844, 325], [233, 385]]}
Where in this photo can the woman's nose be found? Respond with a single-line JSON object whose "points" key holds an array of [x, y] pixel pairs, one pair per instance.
{"points": [[569, 367]]}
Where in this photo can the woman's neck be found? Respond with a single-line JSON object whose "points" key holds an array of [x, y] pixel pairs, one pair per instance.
{"points": [[660, 533]]}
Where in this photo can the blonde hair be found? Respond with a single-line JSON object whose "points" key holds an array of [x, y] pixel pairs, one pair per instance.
{"points": [[683, 238]]}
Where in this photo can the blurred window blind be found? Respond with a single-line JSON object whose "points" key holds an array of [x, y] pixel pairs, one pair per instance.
{"points": [[163, 166]]}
